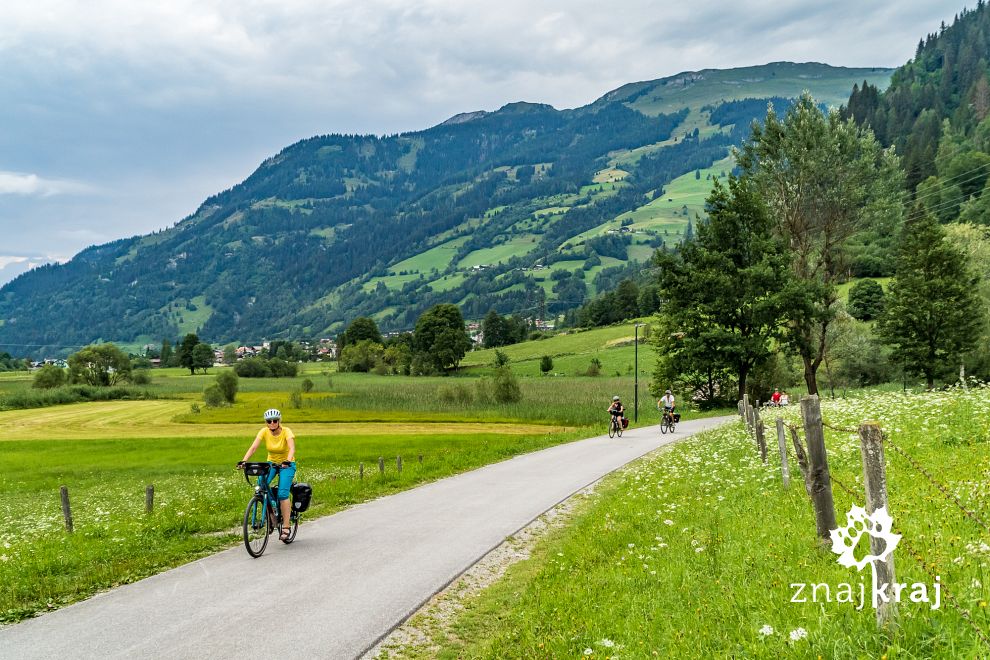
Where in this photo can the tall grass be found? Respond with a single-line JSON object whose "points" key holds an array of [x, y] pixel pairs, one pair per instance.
{"points": [[22, 398]]}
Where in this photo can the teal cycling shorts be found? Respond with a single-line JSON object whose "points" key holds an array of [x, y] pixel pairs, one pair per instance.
{"points": [[284, 481]]}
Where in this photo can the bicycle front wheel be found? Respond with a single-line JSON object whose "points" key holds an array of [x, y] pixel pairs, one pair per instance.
{"points": [[663, 426], [255, 527], [611, 430]]}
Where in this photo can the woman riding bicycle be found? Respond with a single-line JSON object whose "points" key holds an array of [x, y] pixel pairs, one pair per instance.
{"points": [[281, 445]]}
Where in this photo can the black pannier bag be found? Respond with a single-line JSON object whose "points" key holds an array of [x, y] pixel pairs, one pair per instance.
{"points": [[301, 495], [677, 418]]}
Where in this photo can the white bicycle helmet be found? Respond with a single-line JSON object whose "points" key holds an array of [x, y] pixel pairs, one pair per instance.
{"points": [[615, 398], [272, 414]]}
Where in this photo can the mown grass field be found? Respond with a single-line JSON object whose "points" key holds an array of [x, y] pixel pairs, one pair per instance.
{"points": [[692, 552]]}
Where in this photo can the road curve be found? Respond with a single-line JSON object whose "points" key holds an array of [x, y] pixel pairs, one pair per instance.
{"points": [[349, 578]]}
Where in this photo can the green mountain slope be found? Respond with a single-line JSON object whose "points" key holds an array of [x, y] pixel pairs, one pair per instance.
{"points": [[482, 210]]}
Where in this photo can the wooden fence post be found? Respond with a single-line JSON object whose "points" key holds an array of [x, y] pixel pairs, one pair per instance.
{"points": [[66, 511], [381, 465], [398, 464], [785, 472], [742, 411], [746, 411], [361, 471], [802, 458], [875, 483], [761, 440], [821, 481], [149, 498]]}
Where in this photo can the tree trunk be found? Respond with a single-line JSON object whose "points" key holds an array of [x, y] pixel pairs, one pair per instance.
{"points": [[743, 373], [810, 377]]}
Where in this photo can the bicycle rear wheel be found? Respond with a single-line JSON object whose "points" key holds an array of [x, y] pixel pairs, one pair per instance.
{"points": [[618, 430], [255, 527]]}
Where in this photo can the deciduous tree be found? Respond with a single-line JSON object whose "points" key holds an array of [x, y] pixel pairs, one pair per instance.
{"points": [[99, 364], [824, 180], [439, 337]]}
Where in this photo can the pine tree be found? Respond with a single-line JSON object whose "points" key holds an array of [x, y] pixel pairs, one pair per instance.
{"points": [[933, 311], [723, 294]]}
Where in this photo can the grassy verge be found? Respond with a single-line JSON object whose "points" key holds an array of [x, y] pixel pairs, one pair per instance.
{"points": [[691, 552], [199, 499]]}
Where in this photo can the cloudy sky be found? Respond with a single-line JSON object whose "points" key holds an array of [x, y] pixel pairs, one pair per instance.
{"points": [[119, 117]]}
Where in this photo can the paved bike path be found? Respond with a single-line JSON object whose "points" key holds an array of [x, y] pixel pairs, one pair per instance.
{"points": [[346, 581]]}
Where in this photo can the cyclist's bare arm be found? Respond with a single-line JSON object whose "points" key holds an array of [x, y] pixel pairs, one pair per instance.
{"points": [[253, 448]]}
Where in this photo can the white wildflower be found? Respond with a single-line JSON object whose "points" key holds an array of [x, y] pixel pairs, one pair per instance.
{"points": [[766, 630], [588, 651], [798, 634], [668, 522], [607, 643]]}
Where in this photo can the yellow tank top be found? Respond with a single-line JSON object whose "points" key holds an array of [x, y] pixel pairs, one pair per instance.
{"points": [[277, 445]]}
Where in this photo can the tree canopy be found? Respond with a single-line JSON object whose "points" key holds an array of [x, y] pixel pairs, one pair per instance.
{"points": [[933, 311], [724, 295], [439, 338], [824, 180], [99, 364]]}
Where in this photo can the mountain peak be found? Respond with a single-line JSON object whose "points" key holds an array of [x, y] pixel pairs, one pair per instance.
{"points": [[520, 107], [464, 117]]}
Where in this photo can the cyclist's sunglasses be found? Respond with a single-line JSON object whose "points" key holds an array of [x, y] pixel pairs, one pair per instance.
{"points": [[271, 421]]}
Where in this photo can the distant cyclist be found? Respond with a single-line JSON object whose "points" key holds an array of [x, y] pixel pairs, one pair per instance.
{"points": [[617, 409], [281, 445], [666, 403]]}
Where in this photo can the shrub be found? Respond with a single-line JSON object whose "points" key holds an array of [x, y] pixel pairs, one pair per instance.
{"points": [[546, 364], [49, 377], [866, 300], [213, 396], [227, 381], [595, 369], [252, 367], [306, 385], [505, 387], [295, 399], [141, 377], [360, 357], [456, 394], [194, 408], [501, 359], [282, 369]]}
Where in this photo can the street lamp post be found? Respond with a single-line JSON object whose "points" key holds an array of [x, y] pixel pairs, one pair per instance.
{"points": [[637, 326]]}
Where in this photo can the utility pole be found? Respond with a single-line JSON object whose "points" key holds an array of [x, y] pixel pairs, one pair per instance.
{"points": [[636, 370]]}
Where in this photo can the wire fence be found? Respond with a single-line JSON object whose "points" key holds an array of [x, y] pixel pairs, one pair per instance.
{"points": [[752, 419]]}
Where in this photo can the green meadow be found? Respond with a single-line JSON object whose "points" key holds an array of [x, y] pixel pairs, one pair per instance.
{"points": [[107, 452], [694, 551]]}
